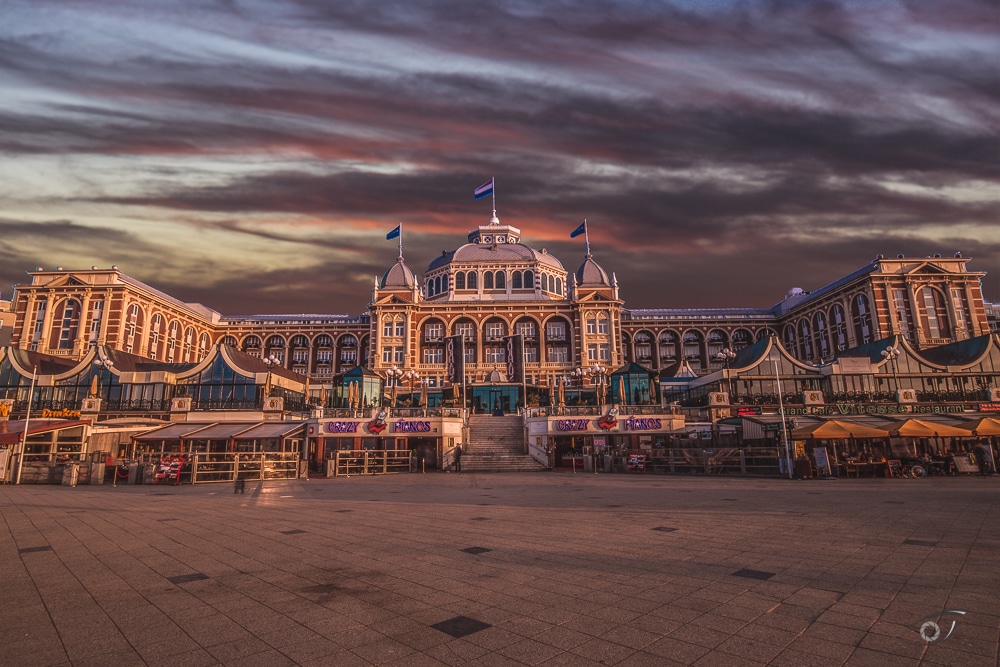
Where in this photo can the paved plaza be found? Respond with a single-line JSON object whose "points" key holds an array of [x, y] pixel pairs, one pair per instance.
{"points": [[537, 569]]}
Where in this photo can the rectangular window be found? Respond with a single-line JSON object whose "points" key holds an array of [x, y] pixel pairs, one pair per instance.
{"points": [[400, 329], [470, 355], [398, 355], [558, 354], [494, 330], [526, 329], [604, 352], [531, 355], [300, 356], [555, 331], [434, 331], [602, 326], [325, 356], [386, 355], [958, 301], [643, 351], [495, 355], [466, 330], [902, 311], [433, 356], [347, 356], [387, 329], [592, 352], [591, 326]]}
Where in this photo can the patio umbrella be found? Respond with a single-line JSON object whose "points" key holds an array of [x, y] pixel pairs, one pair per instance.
{"points": [[983, 426], [621, 390], [322, 395], [602, 389], [552, 394], [652, 390], [93, 387], [919, 428], [423, 394], [836, 429], [305, 390], [562, 393]]}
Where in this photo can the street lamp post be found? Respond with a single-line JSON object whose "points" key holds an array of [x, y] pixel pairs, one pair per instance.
{"points": [[410, 376], [270, 362], [393, 375], [891, 354], [27, 419], [726, 356], [105, 364]]}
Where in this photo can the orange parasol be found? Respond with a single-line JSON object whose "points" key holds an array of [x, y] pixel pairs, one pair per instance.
{"points": [[93, 387], [836, 429], [423, 394], [622, 398], [983, 426], [920, 428], [562, 393]]}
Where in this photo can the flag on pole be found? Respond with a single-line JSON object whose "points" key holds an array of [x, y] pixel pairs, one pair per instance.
{"points": [[582, 229], [484, 190], [394, 234]]}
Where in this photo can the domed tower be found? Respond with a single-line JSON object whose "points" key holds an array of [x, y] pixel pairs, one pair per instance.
{"points": [[494, 266]]}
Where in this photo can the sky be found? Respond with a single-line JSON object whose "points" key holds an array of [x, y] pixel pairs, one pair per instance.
{"points": [[252, 155]]}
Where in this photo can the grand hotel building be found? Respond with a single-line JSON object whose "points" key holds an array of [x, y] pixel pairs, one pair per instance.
{"points": [[493, 286]]}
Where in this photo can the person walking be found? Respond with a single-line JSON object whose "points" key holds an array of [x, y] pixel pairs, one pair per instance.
{"points": [[458, 458]]}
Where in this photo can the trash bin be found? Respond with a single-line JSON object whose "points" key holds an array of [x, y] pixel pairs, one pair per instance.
{"points": [[133, 473]]}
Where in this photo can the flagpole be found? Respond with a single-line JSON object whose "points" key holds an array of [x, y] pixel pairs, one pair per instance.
{"points": [[586, 236], [27, 418], [493, 194], [401, 240]]}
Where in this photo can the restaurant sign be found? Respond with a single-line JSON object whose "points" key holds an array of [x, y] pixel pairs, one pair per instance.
{"points": [[342, 427], [874, 409], [634, 424], [403, 426], [572, 424]]}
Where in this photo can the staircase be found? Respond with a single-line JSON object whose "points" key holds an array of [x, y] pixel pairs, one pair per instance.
{"points": [[496, 444]]}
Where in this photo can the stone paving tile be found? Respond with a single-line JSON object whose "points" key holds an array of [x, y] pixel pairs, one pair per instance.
{"points": [[568, 580]]}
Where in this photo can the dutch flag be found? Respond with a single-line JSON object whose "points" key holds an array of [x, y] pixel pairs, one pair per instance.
{"points": [[484, 190]]}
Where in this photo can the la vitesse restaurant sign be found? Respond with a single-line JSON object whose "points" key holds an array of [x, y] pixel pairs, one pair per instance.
{"points": [[887, 409]]}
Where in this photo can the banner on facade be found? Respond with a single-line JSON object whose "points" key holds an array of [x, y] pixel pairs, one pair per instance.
{"points": [[454, 359], [515, 357]]}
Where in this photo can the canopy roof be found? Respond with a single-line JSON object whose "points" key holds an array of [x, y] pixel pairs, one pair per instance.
{"points": [[920, 428], [836, 429]]}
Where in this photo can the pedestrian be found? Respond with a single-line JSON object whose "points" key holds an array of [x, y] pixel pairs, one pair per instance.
{"points": [[458, 458], [240, 486]]}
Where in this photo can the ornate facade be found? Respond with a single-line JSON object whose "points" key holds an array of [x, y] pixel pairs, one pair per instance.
{"points": [[494, 286]]}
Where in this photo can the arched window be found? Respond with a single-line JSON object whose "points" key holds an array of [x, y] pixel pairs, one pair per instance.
{"points": [[188, 353], [789, 339], [862, 314], [229, 340], [838, 327], [66, 325], [173, 334], [805, 339], [473, 280], [934, 318], [324, 340], [559, 289], [488, 280], [515, 280], [692, 348], [501, 280], [529, 280], [156, 337], [437, 285], [459, 280], [444, 283], [741, 339], [821, 333], [203, 343]]}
